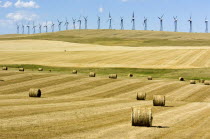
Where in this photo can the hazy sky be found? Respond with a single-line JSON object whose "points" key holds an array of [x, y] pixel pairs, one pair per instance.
{"points": [[40, 11]]}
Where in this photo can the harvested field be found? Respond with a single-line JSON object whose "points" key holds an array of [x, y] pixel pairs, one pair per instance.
{"points": [[89, 55], [76, 106]]}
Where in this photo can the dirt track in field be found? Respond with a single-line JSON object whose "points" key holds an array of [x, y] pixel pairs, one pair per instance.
{"points": [[75, 106], [51, 53]]}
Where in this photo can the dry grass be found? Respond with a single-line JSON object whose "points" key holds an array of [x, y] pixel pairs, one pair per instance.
{"points": [[121, 37], [81, 107], [69, 107], [80, 55]]}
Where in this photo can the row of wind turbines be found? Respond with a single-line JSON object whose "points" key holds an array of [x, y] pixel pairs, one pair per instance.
{"points": [[66, 24]]}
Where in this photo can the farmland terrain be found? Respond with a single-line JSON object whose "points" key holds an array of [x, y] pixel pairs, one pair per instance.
{"points": [[77, 106]]}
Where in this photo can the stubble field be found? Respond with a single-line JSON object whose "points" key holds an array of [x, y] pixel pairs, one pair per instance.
{"points": [[77, 106]]}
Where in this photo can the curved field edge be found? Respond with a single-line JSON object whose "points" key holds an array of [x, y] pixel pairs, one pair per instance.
{"points": [[196, 74], [120, 37]]}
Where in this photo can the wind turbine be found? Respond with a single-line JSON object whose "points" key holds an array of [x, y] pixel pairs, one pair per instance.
{"points": [[145, 23], [99, 22], [34, 28], [80, 23], [190, 20], [59, 25], [46, 26], [66, 24], [121, 23], [161, 22], [40, 28], [52, 26], [28, 26], [86, 19], [18, 28], [110, 21], [23, 29], [74, 22], [175, 23], [207, 24], [133, 21]]}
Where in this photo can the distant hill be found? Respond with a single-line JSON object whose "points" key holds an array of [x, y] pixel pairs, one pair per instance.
{"points": [[121, 37]]}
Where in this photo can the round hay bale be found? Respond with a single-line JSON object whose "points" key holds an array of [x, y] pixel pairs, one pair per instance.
{"points": [[4, 68], [92, 74], [141, 96], [35, 92], [130, 75], [113, 76], [158, 100], [192, 82], [141, 116], [207, 83], [149, 78], [202, 81], [40, 69], [21, 69], [181, 79], [74, 72]]}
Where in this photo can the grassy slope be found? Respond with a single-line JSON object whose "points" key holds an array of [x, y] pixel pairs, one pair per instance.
{"points": [[123, 72], [121, 38]]}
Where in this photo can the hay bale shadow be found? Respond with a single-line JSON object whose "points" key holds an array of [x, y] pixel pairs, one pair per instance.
{"points": [[160, 126], [168, 106]]}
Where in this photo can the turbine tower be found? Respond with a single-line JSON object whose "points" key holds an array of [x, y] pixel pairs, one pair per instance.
{"points": [[145, 23], [99, 22], [18, 28], [86, 20], [74, 23], [190, 20], [40, 28], [59, 25], [28, 26], [133, 21], [121, 23], [80, 23], [161, 22], [34, 28], [175, 23], [66, 24], [53, 26], [207, 24], [110, 21], [23, 29], [46, 26]]}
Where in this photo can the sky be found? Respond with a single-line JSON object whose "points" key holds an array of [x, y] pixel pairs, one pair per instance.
{"points": [[25, 12]]}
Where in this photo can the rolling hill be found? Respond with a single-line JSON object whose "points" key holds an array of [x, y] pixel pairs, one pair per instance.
{"points": [[121, 38]]}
